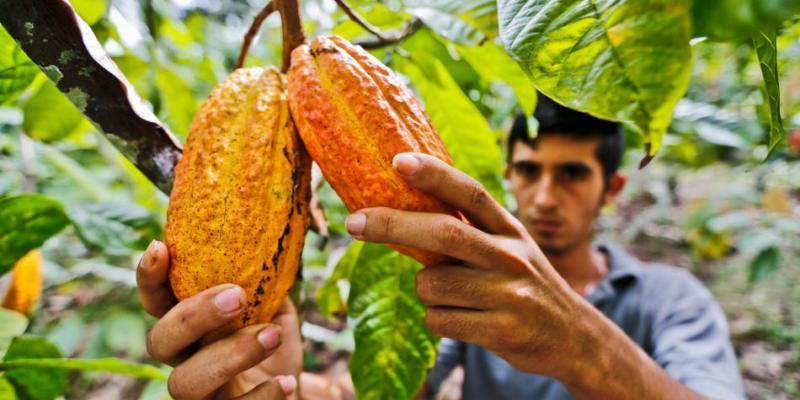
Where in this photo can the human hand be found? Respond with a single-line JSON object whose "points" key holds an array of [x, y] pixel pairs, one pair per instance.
{"points": [[499, 292], [259, 362]]}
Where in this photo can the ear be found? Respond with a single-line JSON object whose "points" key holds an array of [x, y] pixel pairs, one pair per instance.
{"points": [[615, 186]]}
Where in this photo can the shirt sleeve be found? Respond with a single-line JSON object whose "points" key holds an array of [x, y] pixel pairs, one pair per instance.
{"points": [[451, 355], [692, 343]]}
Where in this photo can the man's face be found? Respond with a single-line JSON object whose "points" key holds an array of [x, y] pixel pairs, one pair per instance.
{"points": [[558, 185]]}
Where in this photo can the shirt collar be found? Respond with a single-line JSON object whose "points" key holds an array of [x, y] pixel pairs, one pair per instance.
{"points": [[623, 270]]}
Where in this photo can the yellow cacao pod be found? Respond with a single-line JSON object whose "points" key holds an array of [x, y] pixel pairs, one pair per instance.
{"points": [[25, 286], [239, 204], [354, 115]]}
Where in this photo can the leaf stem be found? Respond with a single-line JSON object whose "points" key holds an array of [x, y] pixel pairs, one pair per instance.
{"points": [[293, 34], [251, 33], [345, 6]]}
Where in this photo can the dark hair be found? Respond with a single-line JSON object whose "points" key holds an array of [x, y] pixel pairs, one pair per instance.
{"points": [[555, 119]]}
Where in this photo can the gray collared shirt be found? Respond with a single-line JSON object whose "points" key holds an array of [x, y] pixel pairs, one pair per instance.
{"points": [[664, 309]]}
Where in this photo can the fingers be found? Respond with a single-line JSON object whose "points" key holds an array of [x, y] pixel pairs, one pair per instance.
{"points": [[191, 319], [215, 365], [435, 177], [458, 286], [275, 389], [438, 233], [457, 323], [152, 278]]}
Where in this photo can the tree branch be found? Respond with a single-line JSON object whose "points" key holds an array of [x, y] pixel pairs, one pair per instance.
{"points": [[251, 33], [360, 20], [293, 34], [387, 40], [68, 52]]}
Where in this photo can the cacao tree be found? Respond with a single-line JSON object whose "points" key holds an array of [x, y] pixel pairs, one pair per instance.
{"points": [[100, 94]]}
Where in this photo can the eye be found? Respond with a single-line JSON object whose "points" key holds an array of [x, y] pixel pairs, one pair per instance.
{"points": [[574, 172], [526, 170]]}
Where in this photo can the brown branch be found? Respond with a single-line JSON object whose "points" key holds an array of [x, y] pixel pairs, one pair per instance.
{"points": [[387, 40], [67, 51], [360, 20], [251, 33], [293, 34]]}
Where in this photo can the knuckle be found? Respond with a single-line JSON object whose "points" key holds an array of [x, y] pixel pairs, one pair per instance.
{"points": [[176, 387], [152, 347], [450, 232], [478, 196], [423, 284]]}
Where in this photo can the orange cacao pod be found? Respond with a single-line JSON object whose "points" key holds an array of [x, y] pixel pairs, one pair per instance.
{"points": [[25, 286], [239, 204], [354, 115]]}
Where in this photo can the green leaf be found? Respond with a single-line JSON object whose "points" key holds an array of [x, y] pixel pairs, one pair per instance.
{"points": [[12, 324], [90, 10], [125, 332], [26, 222], [493, 64], [7, 390], [465, 132], [764, 264], [449, 26], [16, 70], [329, 297], [50, 116], [768, 58], [481, 14], [111, 227], [179, 105], [34, 383], [628, 61], [58, 365], [394, 349], [738, 19]]}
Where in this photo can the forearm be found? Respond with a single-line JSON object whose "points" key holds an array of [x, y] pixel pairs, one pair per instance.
{"points": [[613, 366]]}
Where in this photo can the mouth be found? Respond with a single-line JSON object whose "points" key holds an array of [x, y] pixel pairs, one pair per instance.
{"points": [[545, 226]]}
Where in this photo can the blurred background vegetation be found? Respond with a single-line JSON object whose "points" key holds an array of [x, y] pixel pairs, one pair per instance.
{"points": [[708, 202]]}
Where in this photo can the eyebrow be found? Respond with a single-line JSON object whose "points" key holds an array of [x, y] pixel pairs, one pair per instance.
{"points": [[568, 164]]}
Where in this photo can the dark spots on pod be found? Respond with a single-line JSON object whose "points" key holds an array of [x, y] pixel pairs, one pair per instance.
{"points": [[323, 50], [260, 289], [264, 267]]}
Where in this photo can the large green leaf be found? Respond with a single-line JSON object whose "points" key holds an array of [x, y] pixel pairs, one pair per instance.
{"points": [[16, 70], [394, 349], [623, 60], [764, 264], [179, 105], [58, 365], [481, 14], [34, 383], [768, 58], [49, 114], [26, 222], [493, 64], [740, 19], [465, 132], [12, 324]]}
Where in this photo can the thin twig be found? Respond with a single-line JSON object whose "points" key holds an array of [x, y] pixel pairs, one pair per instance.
{"points": [[360, 20], [411, 28], [251, 33]]}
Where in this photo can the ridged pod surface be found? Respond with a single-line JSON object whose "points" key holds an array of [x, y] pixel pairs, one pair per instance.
{"points": [[238, 210], [354, 115], [25, 286]]}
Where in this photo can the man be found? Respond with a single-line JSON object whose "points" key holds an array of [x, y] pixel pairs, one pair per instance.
{"points": [[547, 315]]}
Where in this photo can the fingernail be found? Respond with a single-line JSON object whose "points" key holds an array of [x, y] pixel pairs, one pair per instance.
{"points": [[288, 384], [229, 300], [269, 337], [406, 164], [149, 257], [355, 224]]}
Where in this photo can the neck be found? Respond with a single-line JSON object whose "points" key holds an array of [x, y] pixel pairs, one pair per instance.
{"points": [[583, 267]]}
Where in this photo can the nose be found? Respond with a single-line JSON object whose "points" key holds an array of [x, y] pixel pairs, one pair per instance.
{"points": [[544, 196]]}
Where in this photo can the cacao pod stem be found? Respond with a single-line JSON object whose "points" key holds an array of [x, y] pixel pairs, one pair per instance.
{"points": [[293, 34]]}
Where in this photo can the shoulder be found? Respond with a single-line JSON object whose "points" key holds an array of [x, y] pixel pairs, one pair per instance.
{"points": [[665, 282]]}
